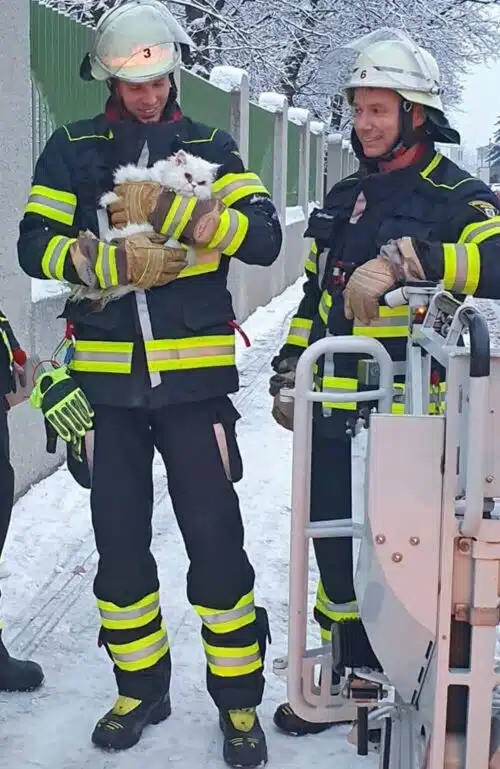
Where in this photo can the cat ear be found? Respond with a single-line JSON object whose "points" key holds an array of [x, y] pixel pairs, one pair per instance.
{"points": [[180, 158]]}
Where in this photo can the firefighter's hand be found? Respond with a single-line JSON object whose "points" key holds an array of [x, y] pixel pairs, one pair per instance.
{"points": [[151, 264], [284, 377], [63, 404], [136, 202], [364, 288], [397, 263], [283, 411]]}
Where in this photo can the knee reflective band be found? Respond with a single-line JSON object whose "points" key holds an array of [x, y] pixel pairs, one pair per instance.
{"points": [[136, 615], [333, 612], [54, 256], [299, 331], [311, 265], [53, 204], [192, 353], [392, 322], [227, 620], [102, 357], [230, 662], [140, 653]]}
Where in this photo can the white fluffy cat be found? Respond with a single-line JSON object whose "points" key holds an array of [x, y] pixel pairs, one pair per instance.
{"points": [[182, 173]]}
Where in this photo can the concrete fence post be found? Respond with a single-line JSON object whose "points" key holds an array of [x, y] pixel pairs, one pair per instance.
{"points": [[235, 82]]}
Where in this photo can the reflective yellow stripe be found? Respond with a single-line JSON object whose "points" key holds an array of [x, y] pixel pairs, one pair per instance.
{"points": [[324, 306], [102, 357], [229, 662], [311, 264], [392, 322], [195, 352], [231, 188], [479, 231], [209, 262], [326, 636], [462, 267], [329, 384], [228, 620], [299, 331], [54, 256], [6, 340], [141, 654], [54, 204], [105, 267], [136, 615], [432, 165], [178, 216], [231, 232], [335, 611]]}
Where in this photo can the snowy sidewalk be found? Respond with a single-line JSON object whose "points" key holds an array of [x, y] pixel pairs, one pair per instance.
{"points": [[50, 613]]}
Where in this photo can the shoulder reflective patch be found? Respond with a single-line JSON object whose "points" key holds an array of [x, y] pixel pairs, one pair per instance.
{"points": [[486, 208]]}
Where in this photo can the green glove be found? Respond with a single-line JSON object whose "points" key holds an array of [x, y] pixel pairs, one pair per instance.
{"points": [[64, 406]]}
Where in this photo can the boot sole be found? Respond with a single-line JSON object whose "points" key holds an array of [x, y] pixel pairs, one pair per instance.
{"points": [[160, 713], [26, 689]]}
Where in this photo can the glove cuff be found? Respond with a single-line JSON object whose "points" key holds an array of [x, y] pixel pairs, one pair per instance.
{"points": [[186, 219]]}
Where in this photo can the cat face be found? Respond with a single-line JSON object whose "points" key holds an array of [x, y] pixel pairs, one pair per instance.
{"points": [[188, 175]]}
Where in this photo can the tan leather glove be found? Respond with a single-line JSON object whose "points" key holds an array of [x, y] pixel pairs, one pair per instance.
{"points": [[151, 264], [283, 411], [139, 261], [397, 262], [137, 202]]}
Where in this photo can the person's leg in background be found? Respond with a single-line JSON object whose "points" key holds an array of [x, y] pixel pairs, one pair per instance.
{"points": [[15, 675]]}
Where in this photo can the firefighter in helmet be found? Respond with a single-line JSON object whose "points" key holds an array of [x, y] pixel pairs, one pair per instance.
{"points": [[152, 368], [408, 213]]}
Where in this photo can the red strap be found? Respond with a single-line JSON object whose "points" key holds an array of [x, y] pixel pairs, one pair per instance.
{"points": [[435, 378], [70, 330], [240, 331]]}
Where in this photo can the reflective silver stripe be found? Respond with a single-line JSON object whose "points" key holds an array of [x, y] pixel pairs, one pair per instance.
{"points": [[232, 662], [61, 246], [123, 615], [337, 608], [227, 616], [190, 352], [232, 230], [461, 269], [103, 264], [400, 320], [64, 208], [140, 654], [480, 229], [231, 187], [101, 357], [321, 261], [300, 331], [324, 308], [183, 206], [140, 296]]}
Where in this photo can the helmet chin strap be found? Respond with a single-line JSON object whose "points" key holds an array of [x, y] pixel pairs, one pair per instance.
{"points": [[407, 138]]}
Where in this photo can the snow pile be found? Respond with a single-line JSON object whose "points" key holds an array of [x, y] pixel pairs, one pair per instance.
{"points": [[227, 78], [298, 115], [317, 127], [273, 102], [44, 289], [294, 214]]}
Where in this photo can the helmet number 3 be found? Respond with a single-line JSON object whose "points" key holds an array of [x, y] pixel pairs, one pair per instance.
{"points": [[147, 53]]}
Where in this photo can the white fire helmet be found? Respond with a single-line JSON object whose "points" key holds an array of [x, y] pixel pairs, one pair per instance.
{"points": [[136, 41], [389, 58]]}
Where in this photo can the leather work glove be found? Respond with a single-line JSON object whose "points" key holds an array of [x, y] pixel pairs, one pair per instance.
{"points": [[136, 204], [65, 408], [283, 406], [149, 202], [397, 263], [140, 260]]}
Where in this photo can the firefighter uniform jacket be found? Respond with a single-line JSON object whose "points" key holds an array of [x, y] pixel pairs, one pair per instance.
{"points": [[8, 343], [455, 223], [173, 343]]}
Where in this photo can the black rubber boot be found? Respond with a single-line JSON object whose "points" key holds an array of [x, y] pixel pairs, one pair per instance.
{"points": [[18, 675], [123, 725], [244, 741]]}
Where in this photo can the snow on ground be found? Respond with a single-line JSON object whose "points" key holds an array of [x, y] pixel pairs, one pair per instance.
{"points": [[50, 613]]}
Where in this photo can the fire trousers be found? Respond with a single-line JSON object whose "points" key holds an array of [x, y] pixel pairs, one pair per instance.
{"points": [[331, 498], [197, 442], [6, 479]]}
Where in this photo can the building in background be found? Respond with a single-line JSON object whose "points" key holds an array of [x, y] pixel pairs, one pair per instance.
{"points": [[454, 152], [486, 170]]}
